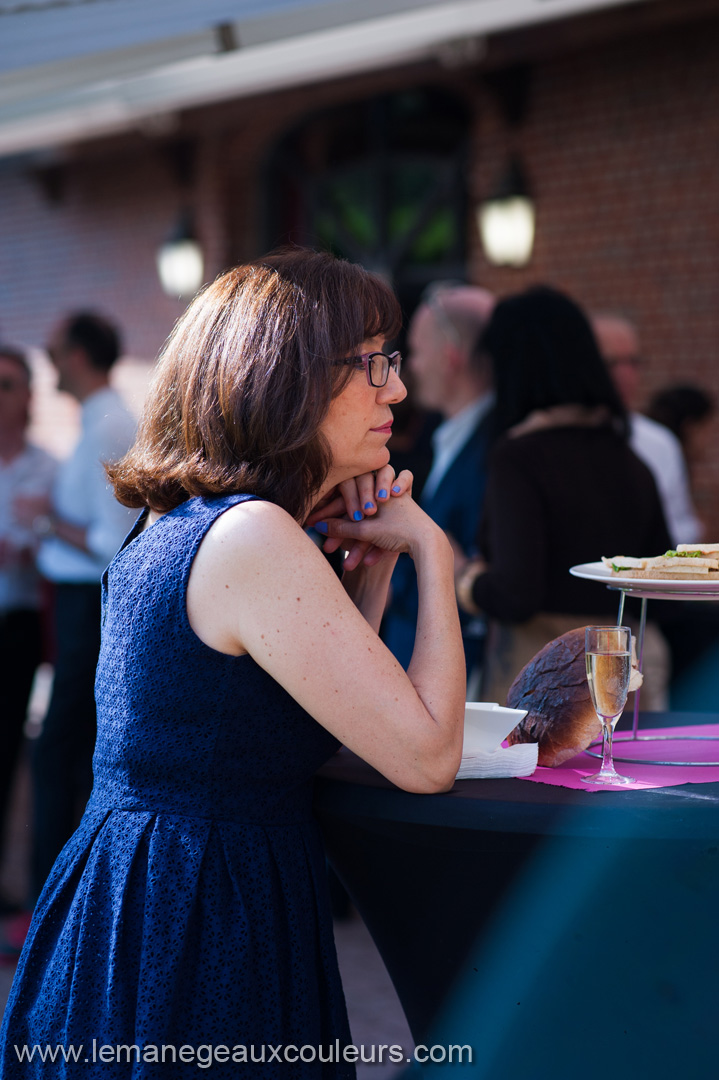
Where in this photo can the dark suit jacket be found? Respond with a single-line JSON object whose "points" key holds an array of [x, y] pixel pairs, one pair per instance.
{"points": [[456, 506]]}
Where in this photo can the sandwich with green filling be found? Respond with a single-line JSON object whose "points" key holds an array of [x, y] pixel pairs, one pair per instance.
{"points": [[689, 562]]}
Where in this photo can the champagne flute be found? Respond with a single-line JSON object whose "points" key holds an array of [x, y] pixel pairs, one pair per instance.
{"points": [[608, 653]]}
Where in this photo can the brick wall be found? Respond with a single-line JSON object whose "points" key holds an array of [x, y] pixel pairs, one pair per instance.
{"points": [[621, 146], [91, 244]]}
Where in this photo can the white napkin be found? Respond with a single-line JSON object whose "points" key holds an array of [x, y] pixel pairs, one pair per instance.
{"points": [[486, 724], [517, 760]]}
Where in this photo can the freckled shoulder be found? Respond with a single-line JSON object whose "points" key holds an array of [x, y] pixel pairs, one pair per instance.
{"points": [[255, 518], [255, 531], [254, 557]]}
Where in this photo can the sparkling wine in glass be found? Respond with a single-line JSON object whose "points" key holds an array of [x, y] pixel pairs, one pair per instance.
{"points": [[608, 652]]}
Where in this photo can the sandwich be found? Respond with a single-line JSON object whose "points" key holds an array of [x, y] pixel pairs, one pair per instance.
{"points": [[623, 564], [710, 551], [689, 562]]}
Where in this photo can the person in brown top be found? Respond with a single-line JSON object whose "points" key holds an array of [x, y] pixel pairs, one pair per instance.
{"points": [[564, 487]]}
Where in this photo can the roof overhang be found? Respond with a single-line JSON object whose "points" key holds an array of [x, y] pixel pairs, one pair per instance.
{"points": [[99, 90]]}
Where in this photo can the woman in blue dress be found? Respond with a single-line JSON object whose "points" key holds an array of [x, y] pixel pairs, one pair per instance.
{"points": [[186, 924]]}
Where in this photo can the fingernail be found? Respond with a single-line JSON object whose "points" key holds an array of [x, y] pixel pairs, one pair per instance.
{"points": [[382, 494], [321, 526], [369, 506], [396, 489], [357, 515]]}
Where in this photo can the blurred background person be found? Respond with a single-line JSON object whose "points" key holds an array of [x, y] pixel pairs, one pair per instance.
{"points": [[686, 410], [659, 448], [564, 487], [81, 525], [692, 629], [25, 470], [451, 378]]}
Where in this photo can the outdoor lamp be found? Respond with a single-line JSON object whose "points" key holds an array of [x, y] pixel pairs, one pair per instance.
{"points": [[506, 220], [180, 263]]}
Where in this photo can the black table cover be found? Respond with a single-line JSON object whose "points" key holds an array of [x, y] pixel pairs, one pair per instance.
{"points": [[558, 932]]}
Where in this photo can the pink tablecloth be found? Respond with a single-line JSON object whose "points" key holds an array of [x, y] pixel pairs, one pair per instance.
{"points": [[647, 775]]}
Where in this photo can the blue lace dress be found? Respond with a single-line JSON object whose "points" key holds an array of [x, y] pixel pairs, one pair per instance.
{"points": [[190, 908]]}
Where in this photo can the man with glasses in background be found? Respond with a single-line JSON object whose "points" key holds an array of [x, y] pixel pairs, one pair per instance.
{"points": [[690, 628], [655, 444], [451, 377]]}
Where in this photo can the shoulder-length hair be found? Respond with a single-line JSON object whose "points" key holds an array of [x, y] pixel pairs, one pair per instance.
{"points": [[544, 353], [246, 378]]}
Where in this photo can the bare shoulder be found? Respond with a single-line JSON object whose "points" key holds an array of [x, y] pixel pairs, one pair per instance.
{"points": [[254, 516], [255, 532], [252, 555]]}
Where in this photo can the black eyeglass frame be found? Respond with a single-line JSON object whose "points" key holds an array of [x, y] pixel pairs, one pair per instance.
{"points": [[394, 362]]}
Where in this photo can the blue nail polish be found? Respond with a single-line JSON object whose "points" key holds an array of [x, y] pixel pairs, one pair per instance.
{"points": [[396, 489], [321, 526], [369, 506], [382, 494], [357, 515]]}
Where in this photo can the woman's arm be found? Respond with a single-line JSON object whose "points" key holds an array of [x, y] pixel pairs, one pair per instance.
{"points": [[368, 587], [259, 585]]}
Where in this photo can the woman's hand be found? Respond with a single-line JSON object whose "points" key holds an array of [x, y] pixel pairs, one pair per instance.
{"points": [[400, 525], [357, 497], [355, 501]]}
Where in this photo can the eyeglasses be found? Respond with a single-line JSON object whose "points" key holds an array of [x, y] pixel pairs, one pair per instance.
{"points": [[376, 365]]}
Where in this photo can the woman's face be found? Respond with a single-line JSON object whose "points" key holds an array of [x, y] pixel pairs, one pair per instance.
{"points": [[359, 422]]}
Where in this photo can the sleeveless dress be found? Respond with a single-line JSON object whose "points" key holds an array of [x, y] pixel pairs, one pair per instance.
{"points": [[190, 908]]}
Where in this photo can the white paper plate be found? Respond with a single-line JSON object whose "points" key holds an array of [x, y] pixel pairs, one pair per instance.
{"points": [[486, 724]]}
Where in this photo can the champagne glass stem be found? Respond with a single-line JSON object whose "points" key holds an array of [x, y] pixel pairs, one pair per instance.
{"points": [[608, 738]]}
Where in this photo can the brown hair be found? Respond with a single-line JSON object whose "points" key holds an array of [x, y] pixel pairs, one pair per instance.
{"points": [[246, 378]]}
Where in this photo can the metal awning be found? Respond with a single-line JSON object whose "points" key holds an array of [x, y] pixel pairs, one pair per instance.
{"points": [[72, 70]]}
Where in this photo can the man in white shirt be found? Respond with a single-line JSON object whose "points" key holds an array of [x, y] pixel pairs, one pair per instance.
{"points": [[451, 378], [81, 526], [658, 448], [24, 470]]}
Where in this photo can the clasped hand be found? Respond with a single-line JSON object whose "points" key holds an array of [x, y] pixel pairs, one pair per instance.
{"points": [[368, 533]]}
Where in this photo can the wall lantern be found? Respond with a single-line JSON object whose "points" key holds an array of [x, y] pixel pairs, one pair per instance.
{"points": [[180, 262], [506, 219]]}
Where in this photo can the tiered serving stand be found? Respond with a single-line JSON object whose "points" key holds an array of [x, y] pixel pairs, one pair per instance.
{"points": [[646, 589]]}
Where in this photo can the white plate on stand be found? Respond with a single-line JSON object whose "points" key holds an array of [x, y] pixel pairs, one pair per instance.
{"points": [[597, 571]]}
